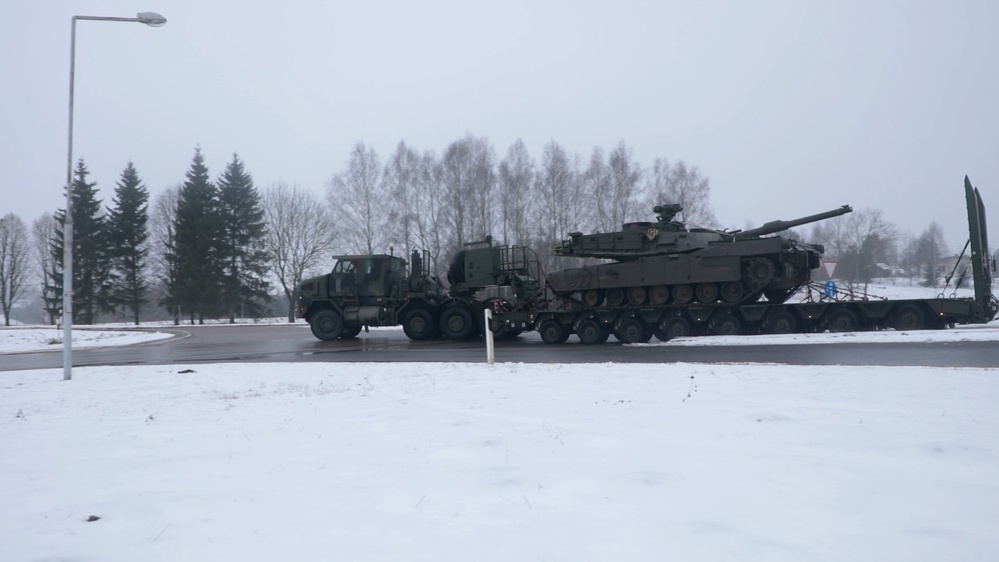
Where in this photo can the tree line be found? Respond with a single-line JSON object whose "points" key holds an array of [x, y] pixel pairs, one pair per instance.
{"points": [[221, 249]]}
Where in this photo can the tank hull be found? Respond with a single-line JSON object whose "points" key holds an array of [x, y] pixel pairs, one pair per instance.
{"points": [[738, 271]]}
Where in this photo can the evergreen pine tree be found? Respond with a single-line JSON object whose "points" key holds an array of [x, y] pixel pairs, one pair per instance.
{"points": [[244, 258], [128, 231], [195, 256], [92, 275]]}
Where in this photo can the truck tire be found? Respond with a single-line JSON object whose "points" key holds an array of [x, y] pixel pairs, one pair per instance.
{"points": [[418, 324], [841, 320], [456, 323], [631, 330], [673, 327], [590, 332], [326, 325], [908, 317], [553, 332]]}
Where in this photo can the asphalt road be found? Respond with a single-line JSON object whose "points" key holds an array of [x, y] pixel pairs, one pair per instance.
{"points": [[294, 343]]}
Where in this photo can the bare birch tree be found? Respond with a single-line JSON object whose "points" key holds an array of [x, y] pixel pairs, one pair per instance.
{"points": [[516, 179], [597, 183], [468, 177], [430, 209], [301, 232], [43, 231], [163, 239], [400, 178], [625, 188], [15, 262], [558, 188], [683, 185], [358, 201]]}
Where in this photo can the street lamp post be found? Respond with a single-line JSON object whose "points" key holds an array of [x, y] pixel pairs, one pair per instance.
{"points": [[151, 19]]}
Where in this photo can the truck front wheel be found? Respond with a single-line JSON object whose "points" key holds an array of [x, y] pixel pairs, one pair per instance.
{"points": [[326, 325]]}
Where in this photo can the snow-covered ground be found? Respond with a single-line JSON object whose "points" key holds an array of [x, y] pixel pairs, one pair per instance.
{"points": [[21, 340], [443, 462], [460, 462]]}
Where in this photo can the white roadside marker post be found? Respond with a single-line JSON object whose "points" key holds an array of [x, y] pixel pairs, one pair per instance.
{"points": [[490, 349]]}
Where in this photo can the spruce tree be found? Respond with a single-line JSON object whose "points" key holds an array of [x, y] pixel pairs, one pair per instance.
{"points": [[129, 232], [196, 257], [244, 258], [92, 275]]}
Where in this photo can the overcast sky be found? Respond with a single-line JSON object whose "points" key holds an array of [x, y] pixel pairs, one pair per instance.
{"points": [[789, 107]]}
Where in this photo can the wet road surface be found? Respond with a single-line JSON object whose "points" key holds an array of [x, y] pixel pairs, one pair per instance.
{"points": [[294, 343]]}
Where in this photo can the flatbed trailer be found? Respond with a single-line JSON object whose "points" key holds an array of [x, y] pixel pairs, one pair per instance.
{"points": [[557, 317]]}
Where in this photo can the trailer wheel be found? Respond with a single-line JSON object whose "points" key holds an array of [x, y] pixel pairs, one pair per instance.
{"points": [[553, 332], [456, 323], [842, 320], [326, 325], [908, 317], [590, 332], [418, 324], [683, 294], [631, 330], [673, 327], [725, 324], [780, 322]]}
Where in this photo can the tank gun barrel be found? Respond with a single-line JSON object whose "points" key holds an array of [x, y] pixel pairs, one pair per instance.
{"points": [[777, 226]]}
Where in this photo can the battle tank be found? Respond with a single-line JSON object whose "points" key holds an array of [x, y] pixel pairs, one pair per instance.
{"points": [[665, 262]]}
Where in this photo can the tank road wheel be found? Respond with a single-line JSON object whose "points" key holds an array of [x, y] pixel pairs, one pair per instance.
{"points": [[456, 323], [592, 298], [732, 291], [351, 332], [725, 324], [615, 297], [706, 292], [326, 325], [682, 294], [673, 327], [630, 330], [842, 320], [590, 332], [659, 295], [908, 317], [553, 332], [418, 324], [636, 296], [780, 322]]}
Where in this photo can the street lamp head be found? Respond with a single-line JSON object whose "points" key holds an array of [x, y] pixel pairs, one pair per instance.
{"points": [[152, 19]]}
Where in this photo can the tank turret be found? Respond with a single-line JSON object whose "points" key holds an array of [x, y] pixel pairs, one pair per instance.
{"points": [[665, 261]]}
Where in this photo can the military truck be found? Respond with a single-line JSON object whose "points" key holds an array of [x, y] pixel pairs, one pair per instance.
{"points": [[371, 290], [383, 290]]}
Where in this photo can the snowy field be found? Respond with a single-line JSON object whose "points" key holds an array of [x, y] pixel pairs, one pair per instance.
{"points": [[442, 462], [21, 340], [457, 462]]}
